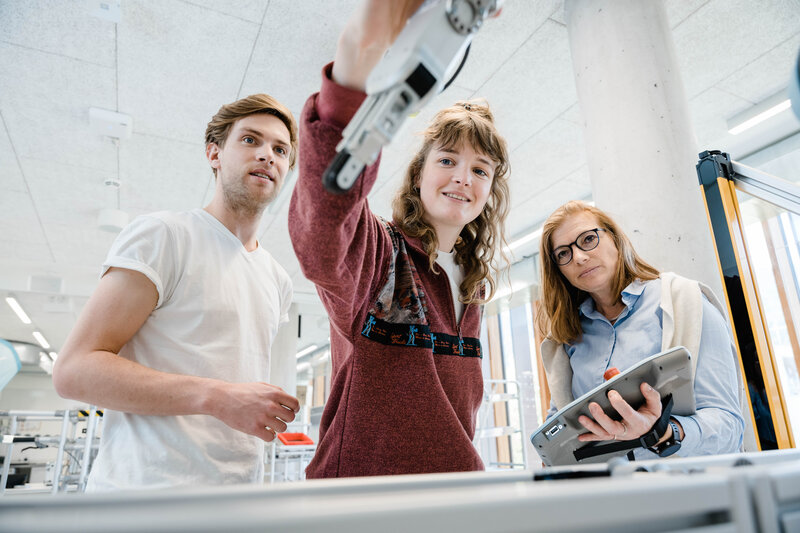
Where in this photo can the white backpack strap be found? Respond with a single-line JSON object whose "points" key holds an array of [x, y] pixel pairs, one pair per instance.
{"points": [[681, 297], [558, 371], [684, 297]]}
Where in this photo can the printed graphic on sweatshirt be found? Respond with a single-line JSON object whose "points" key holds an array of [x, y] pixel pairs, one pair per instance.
{"points": [[402, 298], [398, 315], [419, 336]]}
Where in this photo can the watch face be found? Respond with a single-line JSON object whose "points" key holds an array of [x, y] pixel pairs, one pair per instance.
{"points": [[668, 448], [672, 444]]}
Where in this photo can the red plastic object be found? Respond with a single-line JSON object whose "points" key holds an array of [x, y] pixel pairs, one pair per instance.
{"points": [[610, 373], [295, 439]]}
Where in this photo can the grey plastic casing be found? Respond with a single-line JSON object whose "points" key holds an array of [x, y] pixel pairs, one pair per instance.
{"points": [[668, 372]]}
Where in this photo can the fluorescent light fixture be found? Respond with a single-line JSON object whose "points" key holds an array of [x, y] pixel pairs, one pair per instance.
{"points": [[530, 237], [757, 114], [525, 239], [306, 351], [41, 340], [14, 304], [53, 355]]}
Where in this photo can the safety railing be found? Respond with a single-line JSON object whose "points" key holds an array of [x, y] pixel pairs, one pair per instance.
{"points": [[77, 438]]}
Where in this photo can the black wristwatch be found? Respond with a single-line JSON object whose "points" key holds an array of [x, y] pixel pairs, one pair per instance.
{"points": [[647, 441], [672, 444]]}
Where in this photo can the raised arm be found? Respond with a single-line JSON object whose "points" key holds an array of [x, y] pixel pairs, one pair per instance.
{"points": [[89, 368], [340, 244], [370, 30]]}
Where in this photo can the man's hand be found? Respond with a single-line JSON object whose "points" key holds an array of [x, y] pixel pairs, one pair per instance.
{"points": [[368, 33], [634, 423], [259, 409], [89, 369]]}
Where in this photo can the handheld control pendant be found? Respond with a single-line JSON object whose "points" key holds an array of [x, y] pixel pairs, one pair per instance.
{"points": [[425, 55]]}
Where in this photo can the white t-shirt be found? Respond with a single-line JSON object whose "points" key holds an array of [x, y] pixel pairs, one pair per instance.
{"points": [[455, 274], [219, 308]]}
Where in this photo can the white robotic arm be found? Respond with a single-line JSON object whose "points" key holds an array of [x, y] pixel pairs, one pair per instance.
{"points": [[427, 53]]}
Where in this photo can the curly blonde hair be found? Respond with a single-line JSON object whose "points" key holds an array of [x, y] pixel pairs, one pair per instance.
{"points": [[479, 240], [558, 317]]}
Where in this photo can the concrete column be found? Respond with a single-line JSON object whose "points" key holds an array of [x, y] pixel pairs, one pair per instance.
{"points": [[640, 143], [283, 360]]}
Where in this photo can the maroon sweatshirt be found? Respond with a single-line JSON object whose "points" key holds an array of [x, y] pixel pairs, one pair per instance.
{"points": [[406, 379]]}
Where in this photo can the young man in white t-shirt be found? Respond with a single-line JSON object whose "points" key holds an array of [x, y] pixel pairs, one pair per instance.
{"points": [[175, 341]]}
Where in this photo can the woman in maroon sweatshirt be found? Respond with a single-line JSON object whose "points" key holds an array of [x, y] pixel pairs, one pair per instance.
{"points": [[404, 296]]}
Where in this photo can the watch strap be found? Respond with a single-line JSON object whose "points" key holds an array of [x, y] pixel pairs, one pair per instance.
{"points": [[672, 444]]}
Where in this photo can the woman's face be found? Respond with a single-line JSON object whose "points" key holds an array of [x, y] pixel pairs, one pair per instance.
{"points": [[591, 271], [455, 185]]}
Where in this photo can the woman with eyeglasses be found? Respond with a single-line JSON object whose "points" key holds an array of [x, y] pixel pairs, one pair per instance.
{"points": [[602, 306]]}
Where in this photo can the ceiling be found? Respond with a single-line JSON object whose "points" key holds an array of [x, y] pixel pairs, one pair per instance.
{"points": [[170, 64]]}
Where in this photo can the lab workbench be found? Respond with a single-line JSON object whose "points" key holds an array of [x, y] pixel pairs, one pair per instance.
{"points": [[736, 493]]}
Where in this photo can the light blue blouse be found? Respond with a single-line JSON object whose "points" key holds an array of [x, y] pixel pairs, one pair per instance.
{"points": [[717, 426]]}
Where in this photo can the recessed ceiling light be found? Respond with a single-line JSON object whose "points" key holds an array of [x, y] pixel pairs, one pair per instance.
{"points": [[41, 340], [14, 304], [760, 112], [525, 239]]}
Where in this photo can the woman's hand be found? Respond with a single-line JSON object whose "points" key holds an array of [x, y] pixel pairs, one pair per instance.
{"points": [[368, 33], [634, 423]]}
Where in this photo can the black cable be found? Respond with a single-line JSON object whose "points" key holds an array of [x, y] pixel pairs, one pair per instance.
{"points": [[458, 70], [73, 457]]}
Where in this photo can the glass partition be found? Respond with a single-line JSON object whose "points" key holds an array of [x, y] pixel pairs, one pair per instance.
{"points": [[772, 235]]}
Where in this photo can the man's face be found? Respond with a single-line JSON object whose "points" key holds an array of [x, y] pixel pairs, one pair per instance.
{"points": [[253, 162]]}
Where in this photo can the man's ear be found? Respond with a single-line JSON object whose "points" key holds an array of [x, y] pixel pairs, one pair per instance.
{"points": [[212, 154]]}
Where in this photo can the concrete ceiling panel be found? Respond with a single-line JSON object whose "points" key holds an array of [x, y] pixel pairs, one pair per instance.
{"points": [[534, 210], [19, 222], [178, 63], [765, 75], [708, 111], [288, 57], [45, 101], [679, 10], [65, 195], [723, 36], [11, 178], [548, 157], [534, 86], [159, 173], [42, 24], [500, 37], [249, 10]]}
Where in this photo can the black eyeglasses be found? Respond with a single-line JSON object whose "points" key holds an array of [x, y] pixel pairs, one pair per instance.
{"points": [[588, 240]]}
